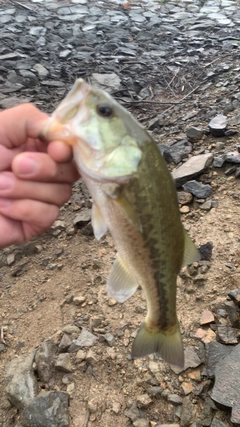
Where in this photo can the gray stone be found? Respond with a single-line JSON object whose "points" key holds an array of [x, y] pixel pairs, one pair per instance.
{"points": [[156, 391], [188, 412], [2, 347], [191, 360], [215, 352], [141, 422], [71, 329], [109, 338], [41, 70], [21, 383], [232, 157], [218, 125], [63, 363], [197, 189], [85, 339], [206, 206], [143, 401], [226, 389], [64, 343], [133, 413], [177, 151], [227, 334], [216, 422], [44, 360], [29, 79], [105, 81], [175, 399], [83, 217], [194, 134], [47, 409], [192, 168], [184, 197], [218, 161], [235, 296]]}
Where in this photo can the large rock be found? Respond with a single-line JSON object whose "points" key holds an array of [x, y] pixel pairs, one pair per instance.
{"points": [[44, 359], [226, 390], [48, 409], [21, 385], [192, 168]]}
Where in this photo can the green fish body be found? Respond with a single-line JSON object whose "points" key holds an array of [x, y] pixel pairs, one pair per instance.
{"points": [[134, 197]]}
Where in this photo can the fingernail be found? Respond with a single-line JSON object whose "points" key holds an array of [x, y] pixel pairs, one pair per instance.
{"points": [[6, 182], [4, 203], [26, 166]]}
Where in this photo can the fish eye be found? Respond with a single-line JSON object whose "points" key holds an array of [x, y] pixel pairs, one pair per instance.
{"points": [[104, 109]]}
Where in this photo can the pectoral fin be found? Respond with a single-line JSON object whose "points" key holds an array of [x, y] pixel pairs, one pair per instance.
{"points": [[120, 285], [98, 223], [128, 211], [191, 253]]}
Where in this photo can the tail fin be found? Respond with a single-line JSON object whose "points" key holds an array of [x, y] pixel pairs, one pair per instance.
{"points": [[168, 346]]}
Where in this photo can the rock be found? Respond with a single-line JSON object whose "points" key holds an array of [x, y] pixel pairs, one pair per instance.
{"points": [[233, 313], [192, 168], [191, 360], [188, 412], [232, 157], [81, 355], [227, 334], [83, 217], [2, 347], [71, 329], [47, 409], [235, 296], [230, 170], [187, 387], [218, 125], [116, 408], [90, 357], [109, 338], [156, 391], [175, 399], [206, 251], [79, 300], [177, 151], [194, 134], [85, 339], [42, 71], [64, 343], [10, 259], [106, 81], [206, 317], [215, 352], [141, 422], [63, 363], [184, 209], [133, 413], [184, 197], [44, 359], [93, 405], [207, 413], [29, 78], [218, 161], [216, 422], [199, 190], [143, 401], [226, 389], [21, 384], [206, 206]]}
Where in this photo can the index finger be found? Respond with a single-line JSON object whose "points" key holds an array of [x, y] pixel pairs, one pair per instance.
{"points": [[20, 123]]}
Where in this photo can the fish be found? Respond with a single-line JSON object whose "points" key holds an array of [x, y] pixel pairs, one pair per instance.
{"points": [[134, 197]]}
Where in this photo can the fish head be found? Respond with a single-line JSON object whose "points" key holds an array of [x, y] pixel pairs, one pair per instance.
{"points": [[106, 139]]}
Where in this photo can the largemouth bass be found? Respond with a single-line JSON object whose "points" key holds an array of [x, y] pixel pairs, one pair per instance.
{"points": [[134, 197]]}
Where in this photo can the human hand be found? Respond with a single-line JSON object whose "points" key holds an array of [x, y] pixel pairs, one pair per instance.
{"points": [[35, 177]]}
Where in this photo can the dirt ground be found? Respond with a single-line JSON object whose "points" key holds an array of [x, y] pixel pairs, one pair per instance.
{"points": [[67, 261]]}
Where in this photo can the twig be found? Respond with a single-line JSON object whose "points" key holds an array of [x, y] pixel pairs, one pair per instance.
{"points": [[86, 418], [24, 6], [1, 335]]}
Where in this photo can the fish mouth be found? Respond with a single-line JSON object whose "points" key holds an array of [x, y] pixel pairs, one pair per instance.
{"points": [[71, 113]]}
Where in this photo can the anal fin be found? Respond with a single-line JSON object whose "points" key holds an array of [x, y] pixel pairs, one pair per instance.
{"points": [[120, 284], [98, 223], [191, 253]]}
